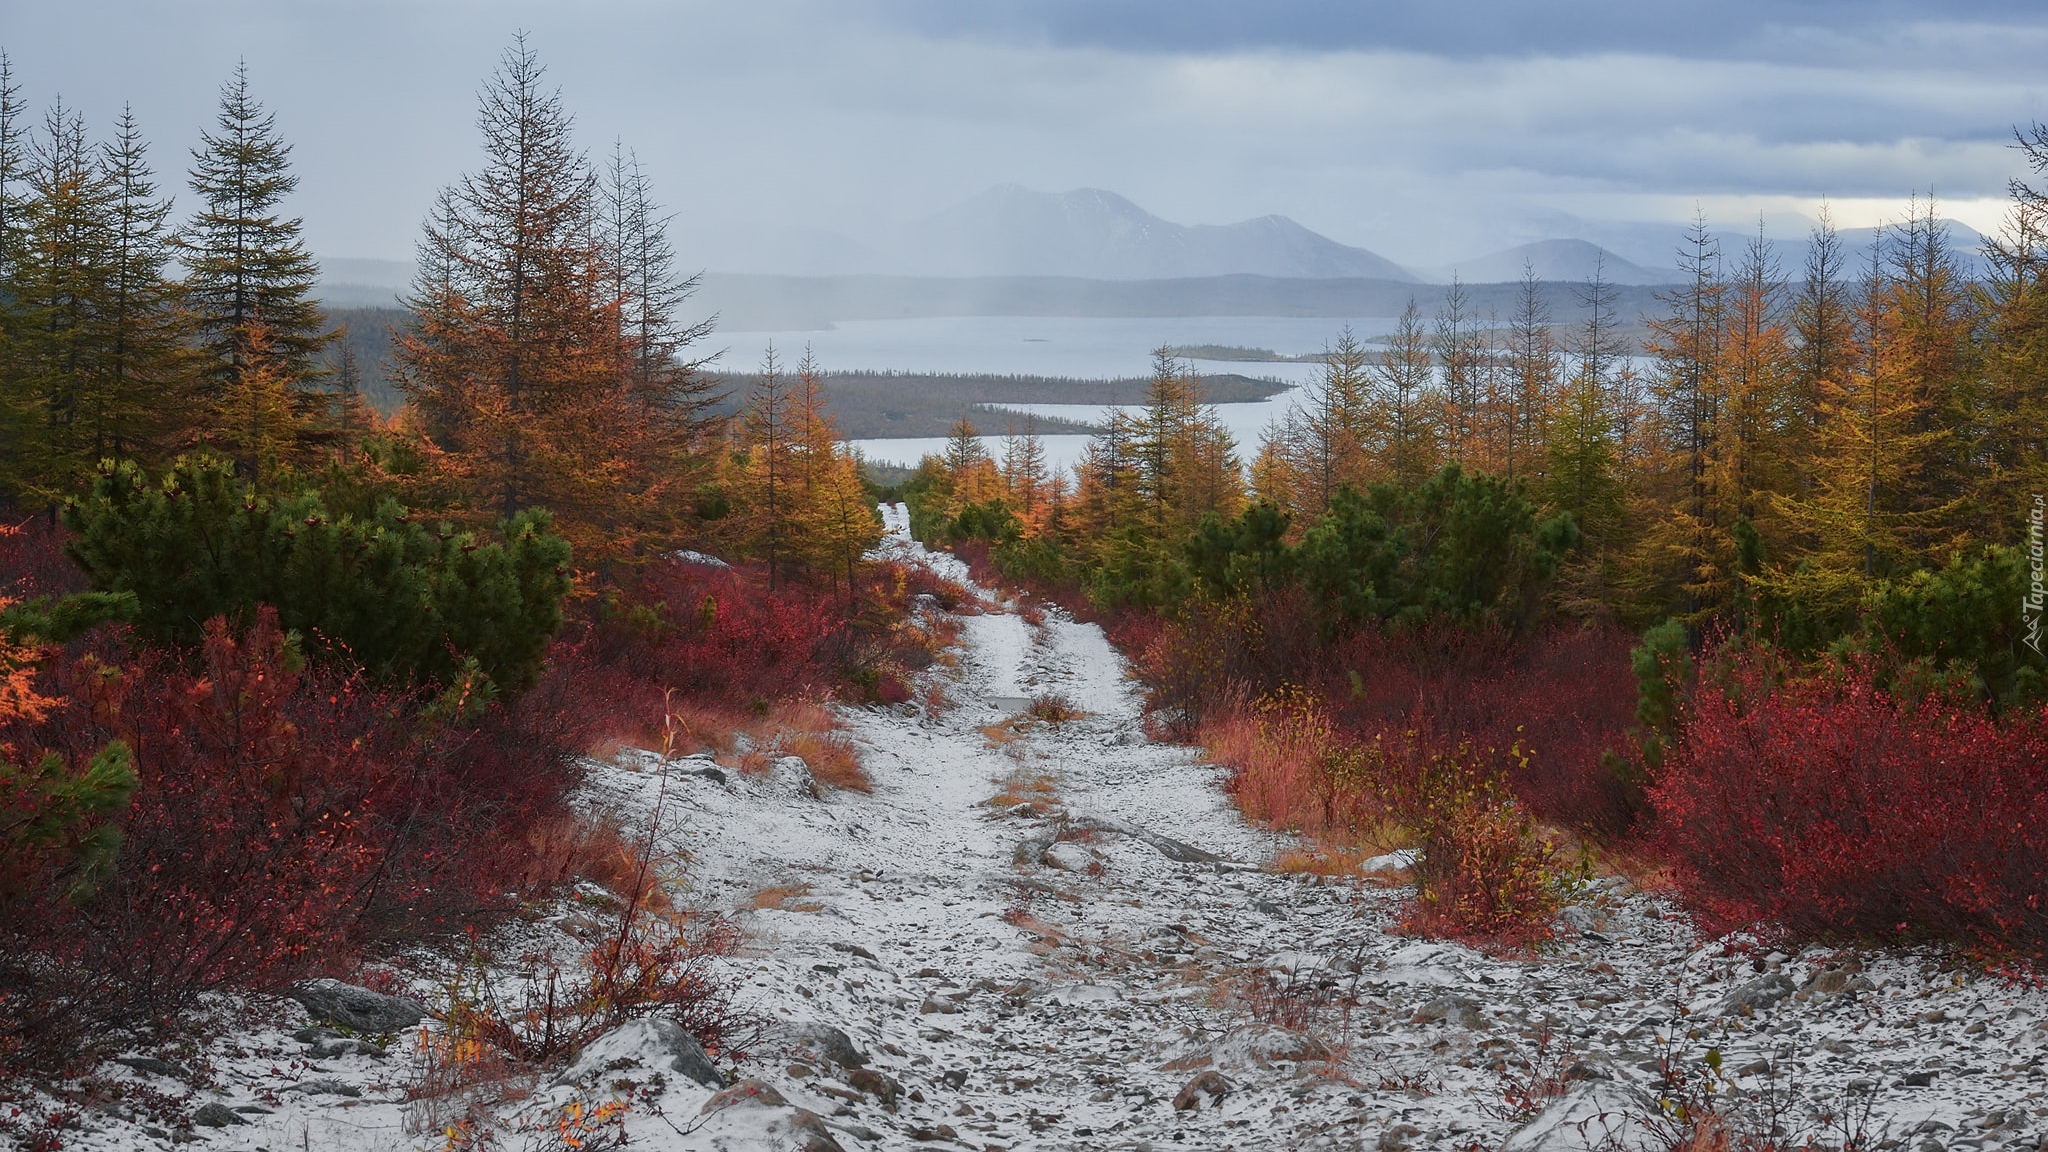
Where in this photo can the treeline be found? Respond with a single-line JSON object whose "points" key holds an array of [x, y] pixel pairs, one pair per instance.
{"points": [[1785, 458], [543, 361]]}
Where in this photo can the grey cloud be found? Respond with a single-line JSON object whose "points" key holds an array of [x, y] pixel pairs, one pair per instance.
{"points": [[1373, 124]]}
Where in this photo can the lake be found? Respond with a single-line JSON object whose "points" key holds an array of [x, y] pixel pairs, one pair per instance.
{"points": [[1089, 348]]}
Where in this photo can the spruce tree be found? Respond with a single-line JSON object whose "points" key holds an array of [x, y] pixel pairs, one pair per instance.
{"points": [[151, 374], [245, 262]]}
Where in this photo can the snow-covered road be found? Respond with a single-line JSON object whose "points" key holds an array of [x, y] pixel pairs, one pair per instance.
{"points": [[1105, 959]]}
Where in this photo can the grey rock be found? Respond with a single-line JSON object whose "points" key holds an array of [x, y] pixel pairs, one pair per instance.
{"points": [[813, 1135], [357, 1008], [746, 1093], [1174, 850], [1759, 994], [1592, 1116], [333, 1046], [1399, 1138], [883, 1088], [827, 1043], [217, 1116], [1208, 1087], [1455, 1009], [654, 1044]]}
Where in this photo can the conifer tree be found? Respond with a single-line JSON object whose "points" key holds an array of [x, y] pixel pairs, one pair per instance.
{"points": [[245, 261], [1457, 345], [151, 375], [1532, 370], [1682, 550], [767, 464], [2014, 303], [13, 140], [544, 354], [1410, 407]]}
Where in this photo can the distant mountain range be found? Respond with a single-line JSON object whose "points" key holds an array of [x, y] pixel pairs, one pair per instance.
{"points": [[1092, 234], [1098, 235]]}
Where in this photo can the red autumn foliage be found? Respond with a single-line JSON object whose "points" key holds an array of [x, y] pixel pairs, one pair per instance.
{"points": [[286, 816], [1564, 694], [720, 635], [1826, 807], [32, 560]]}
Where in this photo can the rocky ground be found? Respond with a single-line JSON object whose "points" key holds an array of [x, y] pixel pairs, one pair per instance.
{"points": [[1042, 935]]}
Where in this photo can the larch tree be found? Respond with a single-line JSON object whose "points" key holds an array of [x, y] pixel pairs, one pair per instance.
{"points": [[542, 366], [1408, 405], [1532, 370], [1457, 343], [1682, 548], [2013, 302]]}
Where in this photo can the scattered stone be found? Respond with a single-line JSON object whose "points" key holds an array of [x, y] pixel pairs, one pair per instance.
{"points": [[749, 1093], [1592, 1115], [1069, 856], [217, 1116], [793, 775], [827, 1043], [882, 1087], [654, 1044], [1208, 1088], [333, 1046], [357, 1008], [1580, 918], [1456, 1009], [1761, 993], [813, 1133], [1399, 1138]]}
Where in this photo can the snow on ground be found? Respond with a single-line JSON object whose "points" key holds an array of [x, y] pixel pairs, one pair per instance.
{"points": [[1055, 974]]}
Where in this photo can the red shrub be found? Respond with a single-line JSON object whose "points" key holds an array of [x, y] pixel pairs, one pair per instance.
{"points": [[1564, 694], [32, 560], [1825, 807], [285, 816]]}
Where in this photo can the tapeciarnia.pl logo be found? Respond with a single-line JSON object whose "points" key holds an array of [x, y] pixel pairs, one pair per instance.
{"points": [[2037, 594]]}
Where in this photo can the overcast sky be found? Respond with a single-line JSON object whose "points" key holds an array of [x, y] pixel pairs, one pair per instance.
{"points": [[1424, 131]]}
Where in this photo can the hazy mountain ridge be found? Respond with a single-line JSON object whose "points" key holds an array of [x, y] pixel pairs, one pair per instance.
{"points": [[1098, 235], [1091, 235]]}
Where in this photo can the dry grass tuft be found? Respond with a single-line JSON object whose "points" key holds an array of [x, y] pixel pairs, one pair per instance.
{"points": [[1025, 786], [1052, 708], [778, 896]]}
